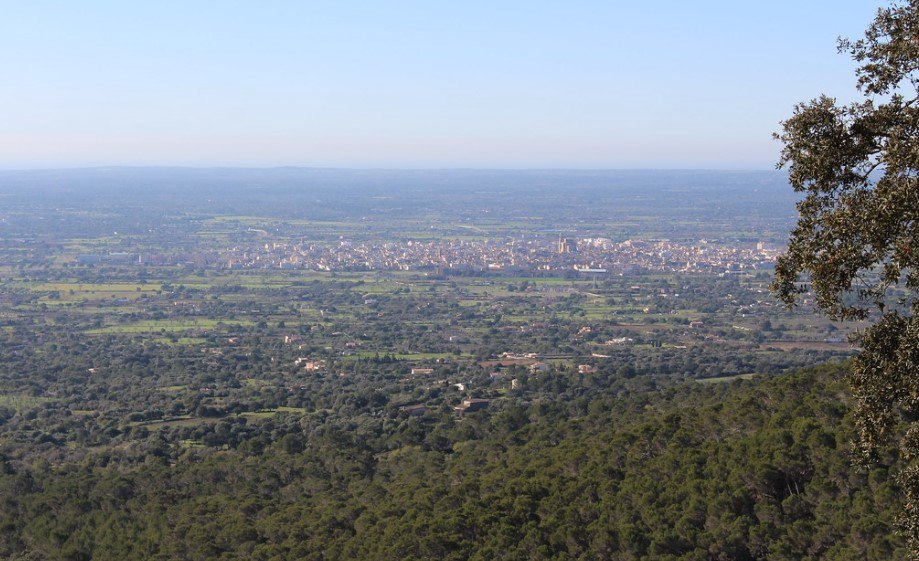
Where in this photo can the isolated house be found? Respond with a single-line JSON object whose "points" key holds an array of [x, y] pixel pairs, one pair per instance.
{"points": [[471, 405]]}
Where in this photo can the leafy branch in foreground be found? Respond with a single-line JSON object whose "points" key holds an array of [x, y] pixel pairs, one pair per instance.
{"points": [[857, 236]]}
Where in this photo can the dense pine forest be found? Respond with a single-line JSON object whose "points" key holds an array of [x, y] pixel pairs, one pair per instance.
{"points": [[742, 470]]}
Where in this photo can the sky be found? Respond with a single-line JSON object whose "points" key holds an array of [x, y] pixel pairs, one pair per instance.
{"points": [[414, 84]]}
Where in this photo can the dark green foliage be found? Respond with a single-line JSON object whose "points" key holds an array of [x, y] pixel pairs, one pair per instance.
{"points": [[740, 471], [858, 232]]}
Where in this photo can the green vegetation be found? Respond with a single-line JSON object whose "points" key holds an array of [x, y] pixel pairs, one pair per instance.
{"points": [[161, 400], [857, 238], [21, 403], [745, 470]]}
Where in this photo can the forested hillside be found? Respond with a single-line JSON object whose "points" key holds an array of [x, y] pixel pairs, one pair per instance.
{"points": [[757, 469]]}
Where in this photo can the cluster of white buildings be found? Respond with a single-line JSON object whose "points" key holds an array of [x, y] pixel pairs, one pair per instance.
{"points": [[597, 255]]}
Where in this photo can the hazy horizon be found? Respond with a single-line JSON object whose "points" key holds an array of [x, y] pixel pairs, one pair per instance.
{"points": [[389, 169]]}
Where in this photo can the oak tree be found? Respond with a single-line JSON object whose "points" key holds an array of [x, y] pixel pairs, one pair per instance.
{"points": [[856, 243]]}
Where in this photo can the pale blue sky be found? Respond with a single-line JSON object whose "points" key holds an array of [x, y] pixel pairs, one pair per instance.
{"points": [[489, 84]]}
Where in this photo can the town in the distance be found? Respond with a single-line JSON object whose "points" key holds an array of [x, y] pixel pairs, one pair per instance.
{"points": [[157, 319]]}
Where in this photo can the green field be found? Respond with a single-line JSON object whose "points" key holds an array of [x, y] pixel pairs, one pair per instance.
{"points": [[20, 403], [168, 326]]}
